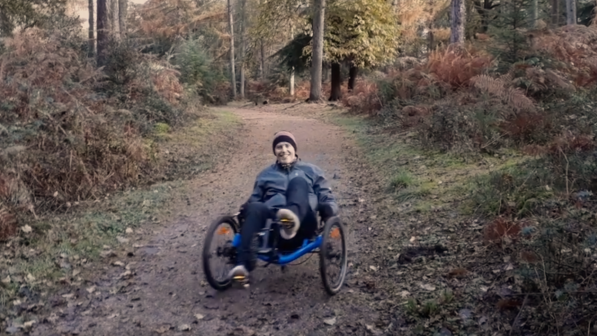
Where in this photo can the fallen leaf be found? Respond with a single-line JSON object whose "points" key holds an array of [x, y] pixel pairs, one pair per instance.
{"points": [[330, 321], [128, 230], [6, 280], [26, 228], [107, 254], [30, 278], [68, 296], [118, 263], [199, 316], [428, 287], [76, 272], [373, 330], [484, 288], [457, 273], [404, 293], [91, 289], [508, 303], [184, 327], [28, 324], [373, 268], [412, 239], [162, 329], [126, 275]]}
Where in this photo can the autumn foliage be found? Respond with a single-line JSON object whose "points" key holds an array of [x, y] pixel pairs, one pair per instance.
{"points": [[62, 140]]}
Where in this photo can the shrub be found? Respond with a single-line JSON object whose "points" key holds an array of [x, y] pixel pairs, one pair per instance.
{"points": [[456, 66], [199, 72], [62, 140]]}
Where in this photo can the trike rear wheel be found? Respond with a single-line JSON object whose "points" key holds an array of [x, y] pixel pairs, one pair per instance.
{"points": [[224, 227], [330, 255]]}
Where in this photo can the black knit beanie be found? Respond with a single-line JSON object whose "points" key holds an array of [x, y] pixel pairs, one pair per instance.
{"points": [[284, 136]]}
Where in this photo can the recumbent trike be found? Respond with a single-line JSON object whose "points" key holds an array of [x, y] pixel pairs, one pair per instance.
{"points": [[329, 231]]}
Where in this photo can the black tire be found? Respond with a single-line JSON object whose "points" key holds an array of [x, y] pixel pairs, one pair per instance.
{"points": [[218, 285], [333, 288]]}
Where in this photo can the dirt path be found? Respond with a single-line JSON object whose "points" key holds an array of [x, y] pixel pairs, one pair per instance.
{"points": [[166, 288]]}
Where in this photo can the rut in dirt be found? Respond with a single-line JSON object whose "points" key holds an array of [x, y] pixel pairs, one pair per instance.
{"points": [[167, 293]]}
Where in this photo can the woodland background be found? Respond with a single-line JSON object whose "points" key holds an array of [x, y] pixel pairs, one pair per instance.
{"points": [[84, 102]]}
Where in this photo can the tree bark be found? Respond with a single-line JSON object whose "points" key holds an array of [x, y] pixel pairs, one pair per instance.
{"points": [[113, 17], [292, 70], [336, 92], [555, 4], [535, 13], [91, 34], [317, 49], [352, 73], [122, 16], [571, 12], [458, 21], [261, 56], [231, 28], [262, 59], [102, 33], [242, 48]]}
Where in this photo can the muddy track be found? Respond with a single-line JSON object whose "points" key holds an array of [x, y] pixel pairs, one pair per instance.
{"points": [[166, 288]]}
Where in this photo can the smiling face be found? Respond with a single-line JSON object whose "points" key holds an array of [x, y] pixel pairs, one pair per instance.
{"points": [[285, 153]]}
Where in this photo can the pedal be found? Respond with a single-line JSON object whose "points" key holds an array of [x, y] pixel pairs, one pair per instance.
{"points": [[287, 223], [241, 280]]}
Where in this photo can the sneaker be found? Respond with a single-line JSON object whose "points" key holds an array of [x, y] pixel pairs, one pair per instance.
{"points": [[238, 273], [288, 232]]}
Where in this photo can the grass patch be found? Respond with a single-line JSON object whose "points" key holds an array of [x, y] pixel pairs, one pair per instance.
{"points": [[402, 180]]}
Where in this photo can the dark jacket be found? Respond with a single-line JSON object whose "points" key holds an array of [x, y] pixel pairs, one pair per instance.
{"points": [[271, 183]]}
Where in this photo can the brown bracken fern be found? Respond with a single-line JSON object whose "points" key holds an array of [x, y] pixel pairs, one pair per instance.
{"points": [[500, 89]]}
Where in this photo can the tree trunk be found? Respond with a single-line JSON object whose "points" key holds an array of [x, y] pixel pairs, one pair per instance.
{"points": [[317, 49], [292, 71], [261, 56], [262, 59], [113, 17], [242, 48], [555, 13], [571, 12], [91, 34], [352, 73], [231, 28], [458, 20], [122, 15], [336, 92], [102, 33], [535, 13], [292, 82]]}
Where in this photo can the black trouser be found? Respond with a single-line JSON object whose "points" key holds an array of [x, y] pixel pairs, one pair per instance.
{"points": [[256, 215]]}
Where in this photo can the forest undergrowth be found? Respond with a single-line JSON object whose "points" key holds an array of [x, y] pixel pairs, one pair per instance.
{"points": [[493, 168], [87, 152], [512, 146]]}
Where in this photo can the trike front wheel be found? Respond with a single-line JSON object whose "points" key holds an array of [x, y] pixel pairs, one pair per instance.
{"points": [[333, 253], [224, 227]]}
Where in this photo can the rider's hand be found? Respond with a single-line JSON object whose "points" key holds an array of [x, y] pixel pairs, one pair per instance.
{"points": [[326, 211]]}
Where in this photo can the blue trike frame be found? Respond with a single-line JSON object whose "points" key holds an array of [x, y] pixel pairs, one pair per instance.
{"points": [[285, 259]]}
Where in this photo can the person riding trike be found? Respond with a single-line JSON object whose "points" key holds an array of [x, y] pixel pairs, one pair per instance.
{"points": [[290, 213]]}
